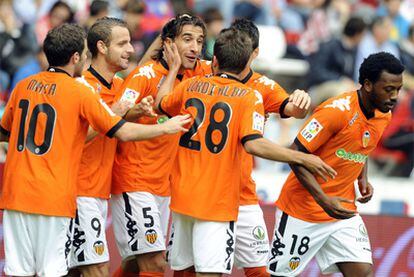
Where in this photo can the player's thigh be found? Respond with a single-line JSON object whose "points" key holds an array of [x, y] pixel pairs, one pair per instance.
{"points": [[252, 241], [213, 246], [295, 242], [349, 243], [180, 244], [89, 245], [163, 204], [137, 223]]}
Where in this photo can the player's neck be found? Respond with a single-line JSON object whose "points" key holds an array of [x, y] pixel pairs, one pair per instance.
{"points": [[103, 69], [365, 102], [245, 73], [68, 69]]}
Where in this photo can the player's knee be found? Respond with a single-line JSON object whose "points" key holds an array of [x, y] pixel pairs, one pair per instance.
{"points": [[256, 272], [101, 269], [152, 262]]}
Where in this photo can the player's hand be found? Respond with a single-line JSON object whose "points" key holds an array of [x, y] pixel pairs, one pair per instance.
{"points": [[300, 99], [172, 56], [316, 166], [145, 107], [120, 107], [176, 124], [332, 206], [366, 190]]}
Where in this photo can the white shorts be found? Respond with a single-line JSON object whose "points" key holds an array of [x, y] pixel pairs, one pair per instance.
{"points": [[36, 244], [140, 221], [296, 242], [206, 245], [252, 241], [89, 245]]}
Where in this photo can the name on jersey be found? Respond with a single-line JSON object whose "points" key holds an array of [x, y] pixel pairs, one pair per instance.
{"points": [[311, 130], [39, 87], [211, 89], [349, 156]]}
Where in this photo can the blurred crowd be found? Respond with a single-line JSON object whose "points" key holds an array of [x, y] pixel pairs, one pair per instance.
{"points": [[332, 36]]}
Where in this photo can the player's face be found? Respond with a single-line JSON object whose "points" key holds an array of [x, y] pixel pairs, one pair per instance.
{"points": [[384, 93], [120, 49], [189, 44]]}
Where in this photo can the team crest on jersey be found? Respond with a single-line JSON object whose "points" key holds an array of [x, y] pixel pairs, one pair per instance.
{"points": [[258, 233], [258, 122], [365, 139], [294, 262], [341, 103], [151, 236], [311, 130], [99, 247], [130, 96]]}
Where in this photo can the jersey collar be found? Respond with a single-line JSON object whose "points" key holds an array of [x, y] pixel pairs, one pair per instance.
{"points": [[165, 65], [57, 70], [227, 76], [248, 76], [99, 77]]}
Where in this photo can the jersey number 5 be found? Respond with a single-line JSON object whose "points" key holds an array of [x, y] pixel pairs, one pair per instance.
{"points": [[220, 126], [28, 140]]}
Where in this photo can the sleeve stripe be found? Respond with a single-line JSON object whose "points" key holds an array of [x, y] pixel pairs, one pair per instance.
{"points": [[114, 129], [250, 137], [282, 108], [161, 109], [301, 147], [4, 131]]}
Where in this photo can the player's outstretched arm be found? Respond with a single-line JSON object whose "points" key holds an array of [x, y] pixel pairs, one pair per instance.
{"points": [[331, 205], [133, 131], [298, 105], [268, 150]]}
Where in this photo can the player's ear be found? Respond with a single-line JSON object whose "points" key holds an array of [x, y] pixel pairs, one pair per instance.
{"points": [[368, 85], [100, 45], [76, 58], [255, 53], [214, 65]]}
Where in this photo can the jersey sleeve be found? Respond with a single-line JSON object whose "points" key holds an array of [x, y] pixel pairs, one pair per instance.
{"points": [[171, 104], [275, 98], [252, 119], [7, 118], [319, 128], [98, 114], [136, 86]]}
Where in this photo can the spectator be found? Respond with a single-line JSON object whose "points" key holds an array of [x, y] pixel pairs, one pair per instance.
{"points": [[332, 67], [407, 57], [97, 10], [259, 11], [133, 16], [214, 23], [400, 25]]}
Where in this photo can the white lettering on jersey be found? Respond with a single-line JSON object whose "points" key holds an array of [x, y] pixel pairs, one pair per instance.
{"points": [[106, 107], [259, 97], [341, 103], [146, 71], [258, 122], [311, 130], [130, 96], [267, 82]]}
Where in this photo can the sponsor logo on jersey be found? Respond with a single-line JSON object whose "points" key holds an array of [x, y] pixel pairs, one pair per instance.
{"points": [[99, 247], [130, 96], [146, 71], [311, 130], [162, 119], [349, 156], [341, 104], [258, 122], [294, 262], [151, 236], [365, 139], [258, 233]]}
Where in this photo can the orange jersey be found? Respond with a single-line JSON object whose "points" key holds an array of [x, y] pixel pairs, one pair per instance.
{"points": [[340, 133], [146, 165], [95, 171], [275, 99], [206, 179], [47, 118]]}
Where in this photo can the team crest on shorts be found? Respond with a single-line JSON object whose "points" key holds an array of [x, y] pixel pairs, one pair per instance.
{"points": [[294, 262], [99, 247], [151, 236], [365, 139], [258, 233]]}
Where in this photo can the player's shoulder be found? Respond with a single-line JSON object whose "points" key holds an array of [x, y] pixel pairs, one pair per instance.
{"points": [[260, 80], [205, 67], [82, 85], [149, 70], [343, 104]]}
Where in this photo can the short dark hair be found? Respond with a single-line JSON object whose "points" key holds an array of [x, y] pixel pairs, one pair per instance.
{"points": [[62, 42], [372, 67], [102, 30], [98, 6], [354, 26], [247, 26], [173, 28], [232, 50]]}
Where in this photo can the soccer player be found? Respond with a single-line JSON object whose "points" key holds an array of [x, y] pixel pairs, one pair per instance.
{"points": [[252, 242], [141, 184], [319, 219], [206, 176], [46, 121], [109, 44]]}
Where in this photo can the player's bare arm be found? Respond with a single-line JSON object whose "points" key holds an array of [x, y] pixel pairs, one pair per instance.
{"points": [[365, 187], [143, 108], [134, 132], [331, 205], [268, 150], [298, 105]]}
